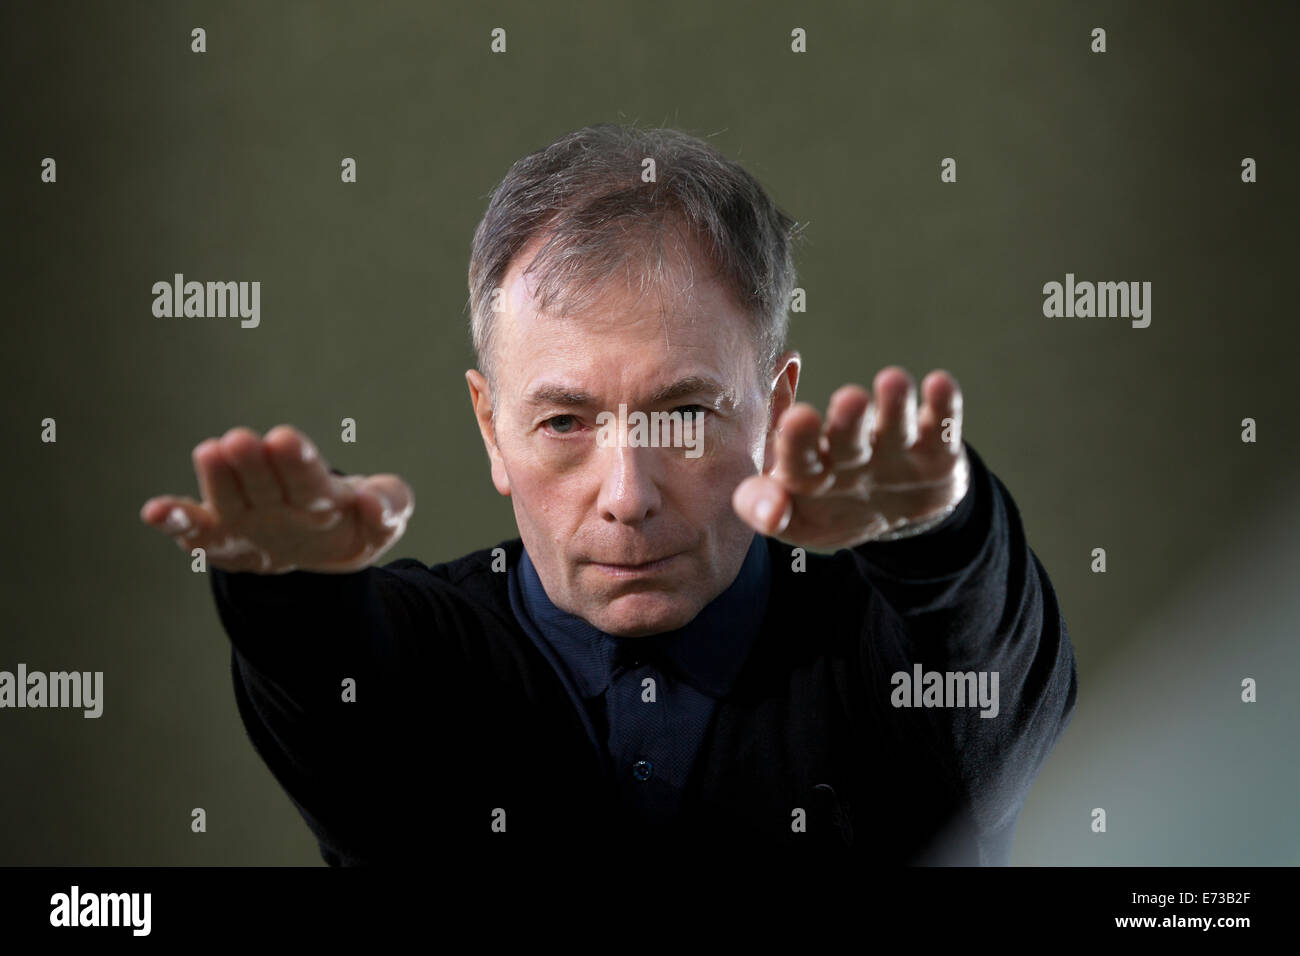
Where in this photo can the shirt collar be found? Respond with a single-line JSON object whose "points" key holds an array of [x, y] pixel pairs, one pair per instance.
{"points": [[707, 653]]}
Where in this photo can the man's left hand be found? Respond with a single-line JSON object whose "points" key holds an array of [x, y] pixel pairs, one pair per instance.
{"points": [[877, 467]]}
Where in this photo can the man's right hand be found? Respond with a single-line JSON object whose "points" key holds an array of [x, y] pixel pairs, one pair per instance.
{"points": [[271, 505]]}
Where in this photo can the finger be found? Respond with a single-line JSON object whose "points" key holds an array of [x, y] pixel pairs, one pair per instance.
{"points": [[183, 518], [300, 470], [246, 455], [799, 466], [763, 504], [218, 484], [895, 427], [849, 417], [939, 420]]}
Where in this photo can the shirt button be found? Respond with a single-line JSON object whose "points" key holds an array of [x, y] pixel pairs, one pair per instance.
{"points": [[642, 769]]}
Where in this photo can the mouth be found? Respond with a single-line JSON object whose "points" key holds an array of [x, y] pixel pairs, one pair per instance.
{"points": [[636, 570]]}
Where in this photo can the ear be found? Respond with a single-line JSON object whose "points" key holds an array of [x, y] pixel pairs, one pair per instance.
{"points": [[480, 398], [784, 385]]}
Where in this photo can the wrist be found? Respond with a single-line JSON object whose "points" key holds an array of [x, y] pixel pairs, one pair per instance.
{"points": [[912, 529]]}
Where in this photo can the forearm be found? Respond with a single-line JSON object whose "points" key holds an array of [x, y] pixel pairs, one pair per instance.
{"points": [[971, 598], [938, 572], [286, 623]]}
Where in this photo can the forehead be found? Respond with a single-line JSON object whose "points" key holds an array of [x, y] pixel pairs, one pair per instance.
{"points": [[624, 336]]}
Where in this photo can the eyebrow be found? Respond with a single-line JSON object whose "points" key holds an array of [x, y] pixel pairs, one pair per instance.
{"points": [[563, 395]]}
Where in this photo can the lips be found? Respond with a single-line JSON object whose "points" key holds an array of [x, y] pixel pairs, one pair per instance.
{"points": [[643, 571], [634, 563]]}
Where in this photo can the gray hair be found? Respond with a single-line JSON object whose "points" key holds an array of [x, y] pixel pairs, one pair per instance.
{"points": [[586, 193]]}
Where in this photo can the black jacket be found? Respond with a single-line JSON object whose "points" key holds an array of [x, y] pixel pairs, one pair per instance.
{"points": [[458, 720]]}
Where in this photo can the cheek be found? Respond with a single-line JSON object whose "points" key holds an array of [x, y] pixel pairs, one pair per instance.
{"points": [[547, 500], [705, 485]]}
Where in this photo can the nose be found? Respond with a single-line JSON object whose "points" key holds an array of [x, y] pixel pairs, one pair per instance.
{"points": [[629, 489]]}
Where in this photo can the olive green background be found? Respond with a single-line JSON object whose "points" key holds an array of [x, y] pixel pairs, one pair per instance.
{"points": [[225, 166]]}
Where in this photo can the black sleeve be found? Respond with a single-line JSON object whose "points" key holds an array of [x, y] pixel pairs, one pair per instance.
{"points": [[971, 596], [297, 640]]}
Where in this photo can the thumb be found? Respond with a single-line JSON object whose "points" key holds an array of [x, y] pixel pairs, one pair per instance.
{"points": [[763, 504], [385, 502]]}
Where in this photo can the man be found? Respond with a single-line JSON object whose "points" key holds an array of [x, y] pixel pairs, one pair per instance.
{"points": [[659, 656]]}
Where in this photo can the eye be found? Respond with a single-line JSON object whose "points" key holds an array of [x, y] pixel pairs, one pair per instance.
{"points": [[701, 408], [562, 424]]}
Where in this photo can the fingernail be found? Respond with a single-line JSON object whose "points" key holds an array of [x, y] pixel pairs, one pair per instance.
{"points": [[763, 509], [176, 522]]}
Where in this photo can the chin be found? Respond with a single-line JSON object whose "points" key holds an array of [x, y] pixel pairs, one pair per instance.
{"points": [[639, 615]]}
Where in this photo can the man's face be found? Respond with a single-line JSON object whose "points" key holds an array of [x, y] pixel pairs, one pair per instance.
{"points": [[593, 513]]}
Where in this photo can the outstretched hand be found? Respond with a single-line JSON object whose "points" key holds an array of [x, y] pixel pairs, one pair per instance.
{"points": [[876, 467], [271, 505]]}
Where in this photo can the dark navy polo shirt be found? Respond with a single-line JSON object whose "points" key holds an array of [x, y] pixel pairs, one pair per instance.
{"points": [[647, 701]]}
